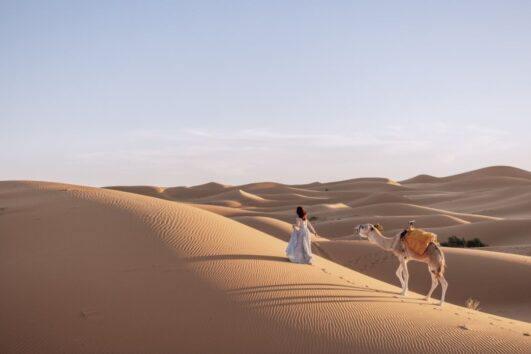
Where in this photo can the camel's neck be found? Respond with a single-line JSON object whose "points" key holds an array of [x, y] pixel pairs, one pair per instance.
{"points": [[387, 243]]}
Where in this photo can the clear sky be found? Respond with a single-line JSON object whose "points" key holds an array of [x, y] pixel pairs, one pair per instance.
{"points": [[185, 92]]}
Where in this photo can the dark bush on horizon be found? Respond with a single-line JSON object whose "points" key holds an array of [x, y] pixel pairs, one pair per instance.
{"points": [[475, 242], [454, 241]]}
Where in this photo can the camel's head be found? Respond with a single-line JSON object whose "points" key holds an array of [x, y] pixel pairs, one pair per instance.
{"points": [[366, 230]]}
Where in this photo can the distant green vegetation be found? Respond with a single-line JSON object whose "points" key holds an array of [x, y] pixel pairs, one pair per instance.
{"points": [[454, 241]]}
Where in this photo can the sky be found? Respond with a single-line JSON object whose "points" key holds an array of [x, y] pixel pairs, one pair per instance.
{"points": [[174, 93]]}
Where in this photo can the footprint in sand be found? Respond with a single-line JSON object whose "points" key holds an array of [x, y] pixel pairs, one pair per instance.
{"points": [[86, 314]]}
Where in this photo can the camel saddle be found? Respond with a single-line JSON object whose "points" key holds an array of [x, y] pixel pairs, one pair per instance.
{"points": [[418, 240]]}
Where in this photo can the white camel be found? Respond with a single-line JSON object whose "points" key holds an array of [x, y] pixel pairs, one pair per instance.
{"points": [[433, 256]]}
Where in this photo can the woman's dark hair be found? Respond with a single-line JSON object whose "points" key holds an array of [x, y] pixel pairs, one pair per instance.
{"points": [[301, 213]]}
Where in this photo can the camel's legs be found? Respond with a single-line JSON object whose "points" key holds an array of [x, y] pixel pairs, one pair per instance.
{"points": [[400, 275], [444, 285], [434, 283], [405, 274]]}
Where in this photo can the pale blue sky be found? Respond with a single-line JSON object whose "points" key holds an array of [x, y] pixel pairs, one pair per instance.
{"points": [[185, 92]]}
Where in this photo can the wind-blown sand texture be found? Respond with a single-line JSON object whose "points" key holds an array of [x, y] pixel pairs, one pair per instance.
{"points": [[87, 270], [491, 204]]}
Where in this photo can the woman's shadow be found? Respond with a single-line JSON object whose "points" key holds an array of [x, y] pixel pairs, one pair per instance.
{"points": [[249, 257]]}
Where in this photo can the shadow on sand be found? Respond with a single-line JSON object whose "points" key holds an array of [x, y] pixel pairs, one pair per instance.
{"points": [[249, 257], [274, 295]]}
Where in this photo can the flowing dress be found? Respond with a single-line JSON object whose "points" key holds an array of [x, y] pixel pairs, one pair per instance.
{"points": [[299, 248]]}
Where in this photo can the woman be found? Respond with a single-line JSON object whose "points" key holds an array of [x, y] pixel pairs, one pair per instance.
{"points": [[299, 246]]}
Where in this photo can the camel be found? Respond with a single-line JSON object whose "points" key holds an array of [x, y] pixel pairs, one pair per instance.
{"points": [[433, 256]]}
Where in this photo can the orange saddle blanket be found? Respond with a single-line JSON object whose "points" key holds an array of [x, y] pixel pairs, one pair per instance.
{"points": [[418, 240]]}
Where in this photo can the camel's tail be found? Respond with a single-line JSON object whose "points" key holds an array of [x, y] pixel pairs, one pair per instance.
{"points": [[442, 265]]}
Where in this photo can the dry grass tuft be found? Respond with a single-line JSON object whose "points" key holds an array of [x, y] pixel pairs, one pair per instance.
{"points": [[472, 304]]}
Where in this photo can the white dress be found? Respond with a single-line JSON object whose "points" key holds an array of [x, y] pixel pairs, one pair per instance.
{"points": [[299, 248]]}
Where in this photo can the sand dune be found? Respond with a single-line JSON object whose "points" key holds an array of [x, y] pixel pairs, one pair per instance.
{"points": [[274, 227], [397, 209], [524, 250], [198, 191], [294, 198], [433, 197], [506, 202], [497, 280], [357, 181], [365, 185], [263, 186], [484, 183], [489, 172], [213, 186], [491, 204], [157, 192], [493, 171], [423, 178], [233, 198], [378, 198], [339, 227], [95, 270], [226, 211], [238, 194], [498, 232], [478, 199], [444, 204]]}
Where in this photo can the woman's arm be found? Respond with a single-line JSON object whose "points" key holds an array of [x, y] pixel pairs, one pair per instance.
{"points": [[310, 226]]}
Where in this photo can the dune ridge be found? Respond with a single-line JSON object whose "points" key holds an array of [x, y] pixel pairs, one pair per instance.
{"points": [[493, 194]]}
